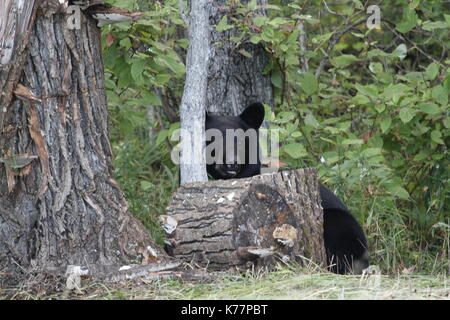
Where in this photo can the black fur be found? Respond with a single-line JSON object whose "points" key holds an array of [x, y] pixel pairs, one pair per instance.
{"points": [[251, 118], [345, 242]]}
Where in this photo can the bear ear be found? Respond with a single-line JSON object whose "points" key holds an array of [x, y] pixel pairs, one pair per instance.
{"points": [[253, 115], [207, 115]]}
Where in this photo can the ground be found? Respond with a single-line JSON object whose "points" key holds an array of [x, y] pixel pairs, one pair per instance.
{"points": [[282, 284]]}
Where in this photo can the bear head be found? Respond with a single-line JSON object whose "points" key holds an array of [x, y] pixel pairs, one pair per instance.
{"points": [[232, 143]]}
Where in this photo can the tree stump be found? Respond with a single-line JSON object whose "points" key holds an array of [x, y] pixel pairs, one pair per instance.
{"points": [[246, 222]]}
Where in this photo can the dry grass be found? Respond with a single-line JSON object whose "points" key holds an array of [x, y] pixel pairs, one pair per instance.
{"points": [[283, 284]]}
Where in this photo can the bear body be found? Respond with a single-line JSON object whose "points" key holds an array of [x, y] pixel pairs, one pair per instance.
{"points": [[345, 242]]}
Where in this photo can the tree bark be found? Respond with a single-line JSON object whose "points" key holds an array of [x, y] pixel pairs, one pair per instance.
{"points": [[15, 28], [239, 223], [64, 207], [234, 80], [193, 103]]}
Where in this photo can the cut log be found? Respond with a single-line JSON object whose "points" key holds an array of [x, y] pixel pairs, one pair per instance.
{"points": [[247, 222]]}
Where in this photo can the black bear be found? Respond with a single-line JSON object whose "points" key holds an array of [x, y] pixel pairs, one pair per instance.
{"points": [[345, 242]]}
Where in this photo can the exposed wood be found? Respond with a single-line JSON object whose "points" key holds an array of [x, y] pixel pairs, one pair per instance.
{"points": [[240, 223]]}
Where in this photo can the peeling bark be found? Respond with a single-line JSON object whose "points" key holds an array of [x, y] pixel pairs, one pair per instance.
{"points": [[67, 208], [16, 21]]}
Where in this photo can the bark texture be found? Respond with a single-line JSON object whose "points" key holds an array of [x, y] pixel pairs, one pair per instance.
{"points": [[239, 223], [64, 207], [234, 80], [193, 103], [16, 21]]}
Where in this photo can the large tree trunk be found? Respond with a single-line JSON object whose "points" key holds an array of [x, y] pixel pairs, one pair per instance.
{"points": [[245, 222], [64, 207], [234, 80]]}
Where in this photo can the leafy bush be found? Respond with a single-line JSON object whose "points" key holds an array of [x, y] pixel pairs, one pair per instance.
{"points": [[368, 107]]}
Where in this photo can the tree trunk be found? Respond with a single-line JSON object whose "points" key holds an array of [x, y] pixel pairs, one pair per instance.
{"points": [[238, 223], [234, 80], [193, 103], [61, 204]]}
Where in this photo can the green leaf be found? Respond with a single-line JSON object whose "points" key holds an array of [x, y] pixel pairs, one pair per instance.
{"points": [[260, 21], [446, 83], [421, 156], [395, 91], [309, 83], [270, 6], [447, 19], [371, 152], [440, 95], [376, 67], [411, 76], [223, 24], [252, 5], [295, 150], [400, 51], [429, 108], [352, 141], [398, 191], [277, 78], [322, 38], [408, 22], [406, 114], [285, 117], [151, 98], [385, 124], [146, 185], [436, 136], [268, 35], [162, 78], [137, 69], [358, 4], [125, 43], [380, 107], [162, 135], [255, 39], [432, 71], [344, 60], [368, 90], [360, 99], [278, 21], [446, 122], [414, 3], [310, 120], [170, 62], [377, 53], [245, 53], [430, 26]]}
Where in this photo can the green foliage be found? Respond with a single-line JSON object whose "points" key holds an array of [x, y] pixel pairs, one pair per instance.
{"points": [[138, 58], [370, 111], [375, 122]]}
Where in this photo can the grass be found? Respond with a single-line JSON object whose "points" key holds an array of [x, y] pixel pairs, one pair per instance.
{"points": [[411, 247], [286, 284]]}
